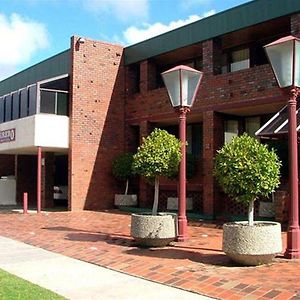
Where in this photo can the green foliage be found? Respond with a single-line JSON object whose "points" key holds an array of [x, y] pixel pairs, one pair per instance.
{"points": [[247, 169], [13, 287], [159, 155], [122, 166]]}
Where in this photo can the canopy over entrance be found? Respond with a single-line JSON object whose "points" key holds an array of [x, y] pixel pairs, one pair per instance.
{"points": [[278, 124]]}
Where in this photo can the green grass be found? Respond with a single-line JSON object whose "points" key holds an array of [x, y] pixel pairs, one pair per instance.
{"points": [[14, 288]]}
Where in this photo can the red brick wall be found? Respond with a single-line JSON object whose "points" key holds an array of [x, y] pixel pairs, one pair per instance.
{"points": [[97, 123]]}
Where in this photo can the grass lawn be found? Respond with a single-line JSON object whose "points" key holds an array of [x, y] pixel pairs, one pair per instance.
{"points": [[13, 288]]}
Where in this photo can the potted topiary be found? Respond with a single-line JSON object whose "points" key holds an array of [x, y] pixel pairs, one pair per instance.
{"points": [[247, 170], [159, 155], [122, 170]]}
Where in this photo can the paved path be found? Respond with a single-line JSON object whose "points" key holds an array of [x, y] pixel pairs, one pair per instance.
{"points": [[75, 279]]}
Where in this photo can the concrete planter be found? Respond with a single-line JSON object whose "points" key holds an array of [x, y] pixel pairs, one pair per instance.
{"points": [[125, 200], [252, 245], [154, 231]]}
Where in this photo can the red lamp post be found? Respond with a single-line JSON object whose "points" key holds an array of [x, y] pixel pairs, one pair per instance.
{"points": [[182, 83], [284, 56]]}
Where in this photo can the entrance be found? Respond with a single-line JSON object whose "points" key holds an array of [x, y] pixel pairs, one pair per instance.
{"points": [[60, 189]]}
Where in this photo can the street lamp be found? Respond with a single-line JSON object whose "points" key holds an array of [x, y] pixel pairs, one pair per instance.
{"points": [[284, 56], [182, 83]]}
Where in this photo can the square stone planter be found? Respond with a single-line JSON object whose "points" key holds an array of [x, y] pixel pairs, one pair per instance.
{"points": [[125, 200], [172, 203]]}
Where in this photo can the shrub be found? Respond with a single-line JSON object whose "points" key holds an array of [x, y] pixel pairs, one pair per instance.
{"points": [[159, 155], [246, 170], [122, 168]]}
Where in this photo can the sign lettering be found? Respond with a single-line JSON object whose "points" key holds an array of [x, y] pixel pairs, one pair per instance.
{"points": [[8, 135]]}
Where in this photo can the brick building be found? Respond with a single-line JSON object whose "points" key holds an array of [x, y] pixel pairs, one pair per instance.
{"points": [[88, 104]]}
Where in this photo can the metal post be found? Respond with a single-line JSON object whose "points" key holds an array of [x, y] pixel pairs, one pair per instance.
{"points": [[39, 180], [25, 203], [293, 234], [182, 220]]}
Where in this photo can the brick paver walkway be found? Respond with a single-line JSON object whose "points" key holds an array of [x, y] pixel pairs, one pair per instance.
{"points": [[198, 265]]}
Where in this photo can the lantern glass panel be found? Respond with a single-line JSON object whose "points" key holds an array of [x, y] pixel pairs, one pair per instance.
{"points": [[281, 59], [172, 82]]}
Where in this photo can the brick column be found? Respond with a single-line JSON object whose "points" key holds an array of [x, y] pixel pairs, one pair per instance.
{"points": [[145, 129], [212, 54], [207, 47], [96, 122], [213, 133]]}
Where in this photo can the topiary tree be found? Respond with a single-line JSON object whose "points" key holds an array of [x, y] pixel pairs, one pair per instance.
{"points": [[159, 155], [246, 170], [122, 168]]}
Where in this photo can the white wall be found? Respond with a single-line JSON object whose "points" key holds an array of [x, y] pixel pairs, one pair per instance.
{"points": [[45, 130]]}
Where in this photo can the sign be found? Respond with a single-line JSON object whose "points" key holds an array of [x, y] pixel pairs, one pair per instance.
{"points": [[8, 135]]}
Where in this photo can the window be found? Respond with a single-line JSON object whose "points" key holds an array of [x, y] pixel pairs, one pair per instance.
{"points": [[252, 124], [54, 103], [134, 78], [15, 106], [32, 100], [2, 109], [47, 104], [193, 137], [240, 60], [62, 104], [231, 130], [24, 104], [8, 107]]}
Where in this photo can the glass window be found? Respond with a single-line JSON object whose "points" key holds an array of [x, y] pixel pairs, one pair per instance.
{"points": [[231, 130], [1, 109], [62, 104], [8, 107], [240, 60], [15, 106], [32, 100], [252, 124], [47, 104], [24, 103]]}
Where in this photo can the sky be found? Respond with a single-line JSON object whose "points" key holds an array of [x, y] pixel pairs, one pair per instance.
{"points": [[33, 30]]}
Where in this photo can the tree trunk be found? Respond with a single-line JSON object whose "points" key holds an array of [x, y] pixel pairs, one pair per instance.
{"points": [[127, 183], [251, 213], [156, 193]]}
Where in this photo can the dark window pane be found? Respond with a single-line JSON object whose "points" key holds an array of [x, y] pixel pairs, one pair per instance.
{"points": [[47, 102], [8, 107], [24, 103], [62, 104], [197, 141], [32, 100], [1, 109], [15, 106]]}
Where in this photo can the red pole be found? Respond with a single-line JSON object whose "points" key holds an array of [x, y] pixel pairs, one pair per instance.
{"points": [[182, 220], [25, 203], [39, 179], [293, 234]]}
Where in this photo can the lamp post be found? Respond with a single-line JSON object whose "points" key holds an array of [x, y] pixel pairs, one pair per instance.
{"points": [[284, 56], [182, 83]]}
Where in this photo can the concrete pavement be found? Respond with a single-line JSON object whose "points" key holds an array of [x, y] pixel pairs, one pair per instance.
{"points": [[75, 279]]}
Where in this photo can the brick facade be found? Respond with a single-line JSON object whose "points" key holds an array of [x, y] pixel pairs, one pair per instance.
{"points": [[254, 89], [97, 123]]}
